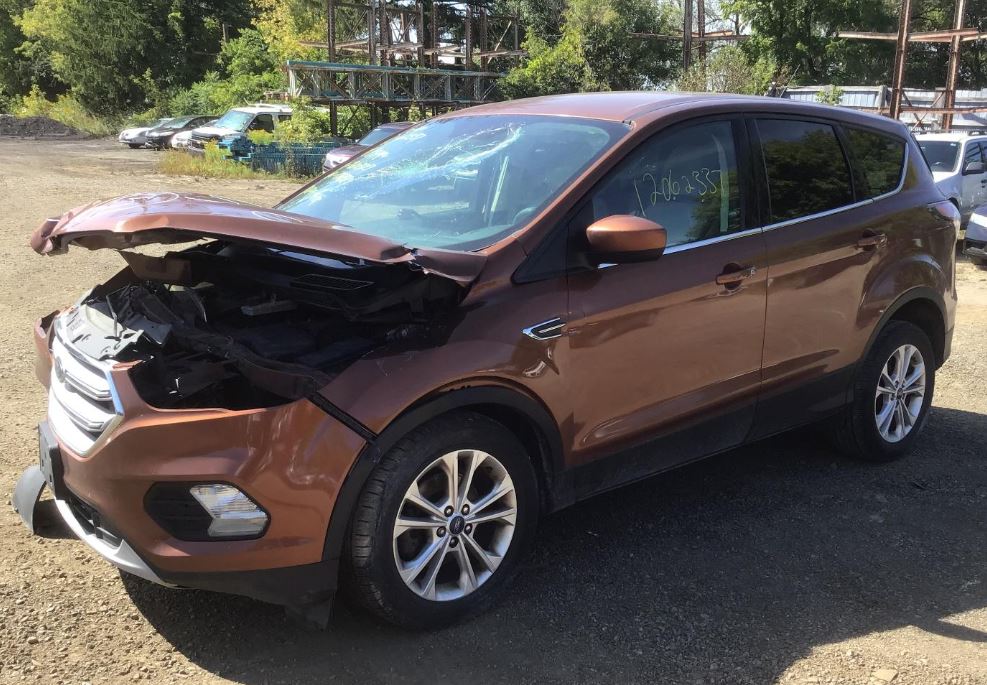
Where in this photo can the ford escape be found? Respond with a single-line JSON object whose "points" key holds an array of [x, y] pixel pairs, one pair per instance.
{"points": [[388, 378]]}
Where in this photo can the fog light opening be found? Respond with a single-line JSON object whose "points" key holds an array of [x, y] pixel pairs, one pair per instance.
{"points": [[233, 513]]}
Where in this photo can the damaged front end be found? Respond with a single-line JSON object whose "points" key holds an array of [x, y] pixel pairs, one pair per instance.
{"points": [[222, 325], [238, 322]]}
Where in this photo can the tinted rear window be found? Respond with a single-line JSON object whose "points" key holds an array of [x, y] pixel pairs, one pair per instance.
{"points": [[878, 158], [807, 171]]}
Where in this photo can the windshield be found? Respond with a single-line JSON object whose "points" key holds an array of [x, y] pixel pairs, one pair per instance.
{"points": [[378, 134], [940, 154], [460, 183], [234, 120], [177, 123]]}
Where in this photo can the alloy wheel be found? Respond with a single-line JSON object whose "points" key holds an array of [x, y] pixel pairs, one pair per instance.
{"points": [[455, 525], [900, 393]]}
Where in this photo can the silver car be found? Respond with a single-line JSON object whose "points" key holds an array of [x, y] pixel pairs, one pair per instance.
{"points": [[137, 136]]}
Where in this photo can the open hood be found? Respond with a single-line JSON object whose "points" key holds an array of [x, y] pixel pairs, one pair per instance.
{"points": [[148, 218]]}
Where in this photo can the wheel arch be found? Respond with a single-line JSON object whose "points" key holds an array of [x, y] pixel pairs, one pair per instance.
{"points": [[527, 418], [923, 307]]}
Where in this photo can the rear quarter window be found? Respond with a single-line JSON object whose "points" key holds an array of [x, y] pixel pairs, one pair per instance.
{"points": [[878, 158]]}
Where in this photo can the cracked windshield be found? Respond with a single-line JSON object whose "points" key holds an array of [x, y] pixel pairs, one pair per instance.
{"points": [[460, 183]]}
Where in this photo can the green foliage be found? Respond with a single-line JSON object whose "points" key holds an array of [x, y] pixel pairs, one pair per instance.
{"points": [[728, 70], [110, 53], [260, 137], [307, 124], [67, 110], [213, 164], [597, 51], [830, 95], [560, 68], [617, 59], [247, 71]]}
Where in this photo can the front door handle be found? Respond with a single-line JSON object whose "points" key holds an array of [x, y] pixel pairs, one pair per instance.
{"points": [[872, 240], [733, 275]]}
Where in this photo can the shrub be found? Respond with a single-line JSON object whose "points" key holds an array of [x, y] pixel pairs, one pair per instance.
{"points": [[213, 164], [66, 110], [830, 95], [307, 124]]}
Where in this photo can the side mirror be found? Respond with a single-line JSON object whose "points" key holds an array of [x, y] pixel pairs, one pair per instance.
{"points": [[626, 238], [973, 168]]}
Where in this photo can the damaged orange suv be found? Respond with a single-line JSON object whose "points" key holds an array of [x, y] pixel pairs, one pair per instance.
{"points": [[489, 317]]}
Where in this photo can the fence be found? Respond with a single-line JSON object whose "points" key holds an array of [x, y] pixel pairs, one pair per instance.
{"points": [[295, 159]]}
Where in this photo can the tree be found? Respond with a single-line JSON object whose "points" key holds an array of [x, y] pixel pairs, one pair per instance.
{"points": [[729, 70], [597, 51], [103, 50]]}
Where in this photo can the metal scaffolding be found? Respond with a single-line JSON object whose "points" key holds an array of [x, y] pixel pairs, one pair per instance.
{"points": [[946, 106], [443, 56]]}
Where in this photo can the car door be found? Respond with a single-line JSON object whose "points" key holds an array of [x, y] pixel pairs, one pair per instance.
{"points": [[974, 177], [824, 239], [669, 348]]}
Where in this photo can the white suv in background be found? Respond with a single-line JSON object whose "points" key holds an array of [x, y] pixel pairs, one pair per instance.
{"points": [[237, 122], [959, 166]]}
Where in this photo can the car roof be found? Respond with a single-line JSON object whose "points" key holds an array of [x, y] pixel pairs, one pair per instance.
{"points": [[951, 136], [262, 108], [632, 105]]}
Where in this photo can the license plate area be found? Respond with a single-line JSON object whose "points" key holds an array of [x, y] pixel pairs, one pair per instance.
{"points": [[50, 460]]}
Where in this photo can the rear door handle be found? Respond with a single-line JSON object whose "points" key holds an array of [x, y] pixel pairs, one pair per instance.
{"points": [[735, 276], [872, 240]]}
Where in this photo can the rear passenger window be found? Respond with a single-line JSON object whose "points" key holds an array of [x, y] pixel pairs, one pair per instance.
{"points": [[807, 171], [685, 180], [878, 158]]}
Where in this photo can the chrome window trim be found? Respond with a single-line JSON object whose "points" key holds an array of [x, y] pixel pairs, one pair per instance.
{"points": [[682, 247]]}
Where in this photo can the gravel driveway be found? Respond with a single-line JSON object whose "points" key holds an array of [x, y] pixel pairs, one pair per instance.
{"points": [[780, 562]]}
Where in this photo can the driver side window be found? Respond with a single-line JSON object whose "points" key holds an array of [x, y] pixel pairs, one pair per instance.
{"points": [[684, 179]]}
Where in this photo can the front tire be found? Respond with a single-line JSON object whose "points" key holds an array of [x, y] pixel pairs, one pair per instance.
{"points": [[443, 522], [893, 391]]}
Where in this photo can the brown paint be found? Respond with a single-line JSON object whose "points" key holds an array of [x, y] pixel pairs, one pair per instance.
{"points": [[623, 234], [648, 347]]}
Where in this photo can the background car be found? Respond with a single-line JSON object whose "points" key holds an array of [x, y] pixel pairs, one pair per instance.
{"points": [[180, 140], [959, 166], [137, 136], [237, 122], [378, 135], [975, 243], [160, 136]]}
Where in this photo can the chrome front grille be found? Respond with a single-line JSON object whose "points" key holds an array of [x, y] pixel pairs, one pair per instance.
{"points": [[80, 396]]}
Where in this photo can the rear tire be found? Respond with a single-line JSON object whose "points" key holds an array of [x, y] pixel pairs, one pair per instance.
{"points": [[134, 146], [892, 393], [406, 515]]}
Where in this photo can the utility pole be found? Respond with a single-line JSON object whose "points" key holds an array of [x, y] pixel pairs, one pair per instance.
{"points": [[701, 29], [687, 33], [900, 58], [954, 65], [331, 45]]}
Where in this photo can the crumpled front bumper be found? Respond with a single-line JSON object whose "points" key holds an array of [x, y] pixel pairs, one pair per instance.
{"points": [[291, 459], [26, 496]]}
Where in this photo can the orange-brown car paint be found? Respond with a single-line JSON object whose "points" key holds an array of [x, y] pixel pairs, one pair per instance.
{"points": [[647, 346]]}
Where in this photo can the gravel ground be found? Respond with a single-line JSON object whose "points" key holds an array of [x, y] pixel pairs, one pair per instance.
{"points": [[779, 562]]}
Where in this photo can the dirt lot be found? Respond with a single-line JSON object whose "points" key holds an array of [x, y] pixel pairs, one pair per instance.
{"points": [[781, 562]]}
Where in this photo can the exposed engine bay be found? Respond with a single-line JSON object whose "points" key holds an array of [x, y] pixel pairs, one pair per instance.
{"points": [[238, 326]]}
